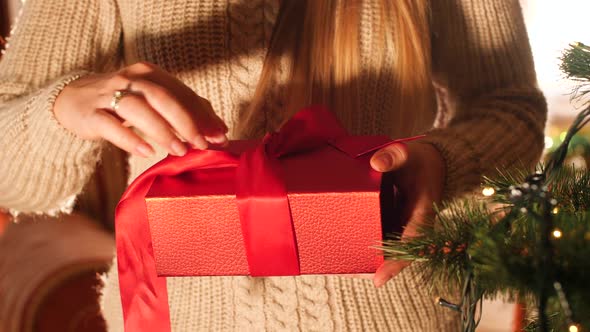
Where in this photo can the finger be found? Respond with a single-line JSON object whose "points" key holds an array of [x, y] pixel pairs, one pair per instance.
{"points": [[390, 158], [418, 218], [205, 114], [175, 113], [420, 214], [137, 112], [203, 107], [111, 129], [141, 67], [388, 270], [152, 72], [207, 111]]}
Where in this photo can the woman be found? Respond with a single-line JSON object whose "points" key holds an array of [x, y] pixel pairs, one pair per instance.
{"points": [[189, 74]]}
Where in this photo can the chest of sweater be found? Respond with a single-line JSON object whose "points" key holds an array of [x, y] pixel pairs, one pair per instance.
{"points": [[215, 47], [218, 49]]}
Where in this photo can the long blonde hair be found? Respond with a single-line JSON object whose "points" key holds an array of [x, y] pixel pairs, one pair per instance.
{"points": [[319, 40]]}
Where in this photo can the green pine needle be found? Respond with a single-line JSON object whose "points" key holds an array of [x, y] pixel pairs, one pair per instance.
{"points": [[575, 63], [443, 249]]}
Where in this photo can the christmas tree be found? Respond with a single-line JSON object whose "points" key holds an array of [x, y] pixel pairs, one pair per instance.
{"points": [[527, 236]]}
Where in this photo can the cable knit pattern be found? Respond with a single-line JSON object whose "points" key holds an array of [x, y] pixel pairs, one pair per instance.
{"points": [[494, 117], [281, 304], [250, 25], [314, 306], [249, 303]]}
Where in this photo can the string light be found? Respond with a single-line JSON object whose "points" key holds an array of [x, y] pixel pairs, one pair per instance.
{"points": [[565, 306], [557, 233], [555, 210], [488, 191]]}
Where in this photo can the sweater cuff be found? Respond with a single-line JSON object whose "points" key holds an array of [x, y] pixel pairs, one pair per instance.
{"points": [[56, 151], [462, 163], [51, 140]]}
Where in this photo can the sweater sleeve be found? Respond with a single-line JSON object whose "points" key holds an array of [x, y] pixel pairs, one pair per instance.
{"points": [[496, 113], [42, 165]]}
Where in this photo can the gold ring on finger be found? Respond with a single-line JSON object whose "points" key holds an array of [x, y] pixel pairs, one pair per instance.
{"points": [[118, 95]]}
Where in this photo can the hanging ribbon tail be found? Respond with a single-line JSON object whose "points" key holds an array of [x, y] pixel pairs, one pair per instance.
{"points": [[144, 296]]}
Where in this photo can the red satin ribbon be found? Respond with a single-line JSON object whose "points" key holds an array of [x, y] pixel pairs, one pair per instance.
{"points": [[143, 294], [269, 237], [267, 226]]}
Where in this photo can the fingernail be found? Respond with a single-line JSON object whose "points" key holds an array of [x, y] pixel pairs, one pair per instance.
{"points": [[219, 139], [382, 161], [144, 150], [200, 143], [178, 148]]}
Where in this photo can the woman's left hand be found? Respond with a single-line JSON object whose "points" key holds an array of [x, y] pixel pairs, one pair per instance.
{"points": [[419, 172]]}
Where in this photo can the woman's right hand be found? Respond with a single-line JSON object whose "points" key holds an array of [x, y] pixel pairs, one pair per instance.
{"points": [[159, 105]]}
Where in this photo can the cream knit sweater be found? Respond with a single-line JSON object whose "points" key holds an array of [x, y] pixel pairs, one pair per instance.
{"points": [[494, 116]]}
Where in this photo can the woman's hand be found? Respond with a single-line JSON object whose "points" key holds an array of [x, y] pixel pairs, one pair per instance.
{"points": [[419, 172], [158, 105]]}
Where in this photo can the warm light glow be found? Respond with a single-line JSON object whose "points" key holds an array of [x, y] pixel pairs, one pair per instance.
{"points": [[489, 191], [573, 328], [555, 210], [547, 42], [562, 136], [548, 142], [557, 234]]}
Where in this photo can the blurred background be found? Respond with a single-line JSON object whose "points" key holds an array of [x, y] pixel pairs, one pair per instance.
{"points": [[552, 25]]}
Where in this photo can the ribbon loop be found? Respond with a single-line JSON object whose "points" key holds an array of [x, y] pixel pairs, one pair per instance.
{"points": [[306, 130]]}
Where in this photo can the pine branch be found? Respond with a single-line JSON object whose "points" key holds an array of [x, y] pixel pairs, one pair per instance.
{"points": [[571, 188], [443, 248], [575, 63]]}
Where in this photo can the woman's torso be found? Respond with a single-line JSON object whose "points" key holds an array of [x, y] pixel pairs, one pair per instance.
{"points": [[218, 48]]}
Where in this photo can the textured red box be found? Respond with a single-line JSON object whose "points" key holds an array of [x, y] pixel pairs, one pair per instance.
{"points": [[339, 206]]}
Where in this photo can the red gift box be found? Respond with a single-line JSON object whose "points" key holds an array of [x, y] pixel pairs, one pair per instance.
{"points": [[303, 201], [335, 203]]}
